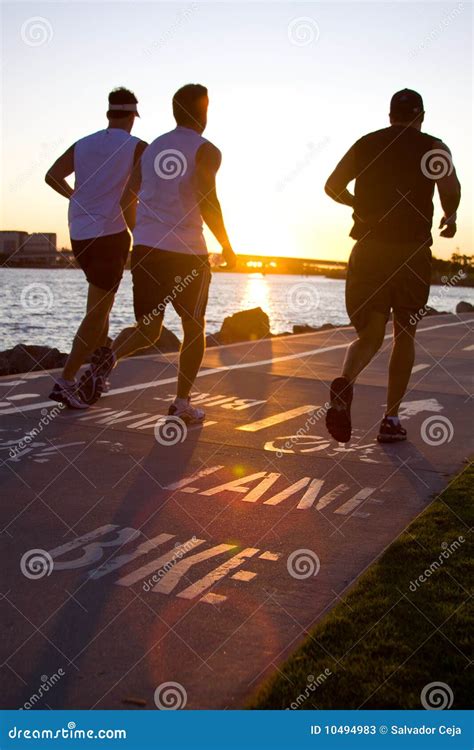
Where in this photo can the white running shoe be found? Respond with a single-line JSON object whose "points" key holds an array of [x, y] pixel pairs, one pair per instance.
{"points": [[182, 409], [66, 393]]}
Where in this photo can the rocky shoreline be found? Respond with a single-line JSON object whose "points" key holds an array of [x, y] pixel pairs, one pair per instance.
{"points": [[247, 325]]}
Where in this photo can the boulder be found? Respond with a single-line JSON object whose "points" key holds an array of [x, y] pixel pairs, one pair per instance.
{"points": [[431, 311], [304, 329], [310, 329], [28, 357], [248, 325], [464, 307]]}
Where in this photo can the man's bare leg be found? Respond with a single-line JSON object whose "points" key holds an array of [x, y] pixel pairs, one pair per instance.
{"points": [[140, 336], [365, 347], [360, 353], [191, 355], [401, 364], [92, 330]]}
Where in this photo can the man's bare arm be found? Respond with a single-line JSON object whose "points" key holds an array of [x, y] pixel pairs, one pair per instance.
{"points": [[129, 200], [56, 175], [337, 182], [449, 190], [208, 161]]}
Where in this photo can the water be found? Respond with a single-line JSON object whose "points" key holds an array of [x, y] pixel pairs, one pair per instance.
{"points": [[45, 306]]}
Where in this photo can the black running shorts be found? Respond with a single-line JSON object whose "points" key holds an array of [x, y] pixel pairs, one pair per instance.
{"points": [[161, 277], [103, 259], [383, 278]]}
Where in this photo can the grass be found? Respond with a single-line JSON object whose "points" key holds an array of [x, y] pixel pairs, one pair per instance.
{"points": [[385, 641]]}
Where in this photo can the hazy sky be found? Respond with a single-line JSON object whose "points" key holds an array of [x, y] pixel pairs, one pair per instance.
{"points": [[292, 86]]}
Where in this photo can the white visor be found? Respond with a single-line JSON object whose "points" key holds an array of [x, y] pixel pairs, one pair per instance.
{"points": [[124, 108]]}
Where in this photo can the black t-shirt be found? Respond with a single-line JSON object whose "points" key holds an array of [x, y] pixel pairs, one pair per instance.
{"points": [[393, 188]]}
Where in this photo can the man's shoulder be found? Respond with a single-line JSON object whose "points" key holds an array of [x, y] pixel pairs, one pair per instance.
{"points": [[374, 135], [90, 136]]}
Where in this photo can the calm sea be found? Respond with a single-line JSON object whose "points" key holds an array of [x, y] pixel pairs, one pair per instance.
{"points": [[44, 306]]}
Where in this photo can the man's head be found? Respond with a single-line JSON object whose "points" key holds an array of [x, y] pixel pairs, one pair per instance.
{"points": [[190, 105], [122, 109], [406, 108]]}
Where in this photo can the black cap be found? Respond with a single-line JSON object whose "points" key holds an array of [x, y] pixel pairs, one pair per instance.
{"points": [[406, 104]]}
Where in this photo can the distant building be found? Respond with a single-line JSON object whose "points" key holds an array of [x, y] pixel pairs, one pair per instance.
{"points": [[21, 248], [41, 247], [11, 243]]}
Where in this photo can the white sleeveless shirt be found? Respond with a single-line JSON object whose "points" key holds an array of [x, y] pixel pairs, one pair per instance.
{"points": [[168, 214], [103, 163]]}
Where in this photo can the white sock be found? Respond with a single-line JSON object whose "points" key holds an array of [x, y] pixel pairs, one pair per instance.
{"points": [[394, 420]]}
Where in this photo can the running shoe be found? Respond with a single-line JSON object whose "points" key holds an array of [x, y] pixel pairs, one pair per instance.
{"points": [[93, 383], [338, 416], [67, 394], [390, 432], [189, 414]]}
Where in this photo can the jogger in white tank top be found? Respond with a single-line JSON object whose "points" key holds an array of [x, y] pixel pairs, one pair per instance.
{"points": [[100, 238], [175, 185]]}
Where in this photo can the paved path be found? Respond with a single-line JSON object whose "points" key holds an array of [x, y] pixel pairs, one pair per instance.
{"points": [[205, 561]]}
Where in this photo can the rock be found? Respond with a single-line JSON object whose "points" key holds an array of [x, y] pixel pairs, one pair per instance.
{"points": [[464, 307], [248, 325], [304, 329], [28, 357], [431, 311], [310, 329]]}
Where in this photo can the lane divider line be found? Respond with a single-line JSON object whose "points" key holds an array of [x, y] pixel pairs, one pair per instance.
{"points": [[224, 368]]}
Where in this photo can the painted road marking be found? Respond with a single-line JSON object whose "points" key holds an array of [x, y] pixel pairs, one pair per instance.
{"points": [[228, 368], [168, 570], [411, 408], [308, 489], [469, 348], [20, 396], [355, 501], [283, 416], [216, 575], [236, 403], [418, 368]]}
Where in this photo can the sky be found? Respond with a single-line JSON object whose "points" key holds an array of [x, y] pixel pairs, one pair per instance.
{"points": [[291, 85]]}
